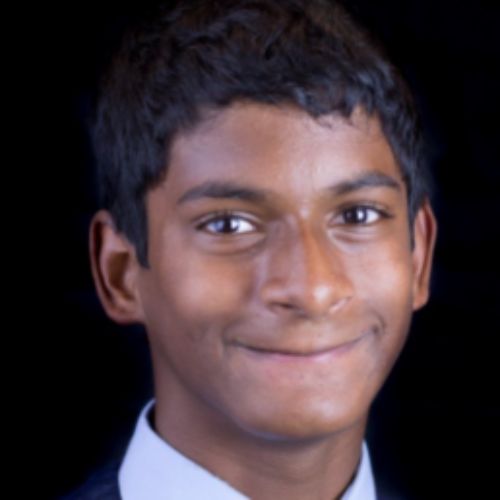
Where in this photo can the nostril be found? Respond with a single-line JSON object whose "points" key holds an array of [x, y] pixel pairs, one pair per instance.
{"points": [[284, 305]]}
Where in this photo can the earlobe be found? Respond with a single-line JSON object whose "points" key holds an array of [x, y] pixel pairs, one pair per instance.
{"points": [[425, 233], [114, 270]]}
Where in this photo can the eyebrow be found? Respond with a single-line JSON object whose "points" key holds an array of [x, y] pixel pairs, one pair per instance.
{"points": [[232, 190], [371, 179], [216, 189]]}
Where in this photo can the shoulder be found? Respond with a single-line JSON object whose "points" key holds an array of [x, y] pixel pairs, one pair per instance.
{"points": [[101, 485], [390, 486], [385, 495]]}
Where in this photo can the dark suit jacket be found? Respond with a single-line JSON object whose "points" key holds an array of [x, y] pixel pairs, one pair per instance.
{"points": [[101, 485]]}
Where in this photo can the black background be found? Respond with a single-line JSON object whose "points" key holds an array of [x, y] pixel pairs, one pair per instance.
{"points": [[435, 425]]}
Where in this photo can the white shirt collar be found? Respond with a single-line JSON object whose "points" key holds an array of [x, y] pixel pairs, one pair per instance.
{"points": [[154, 470]]}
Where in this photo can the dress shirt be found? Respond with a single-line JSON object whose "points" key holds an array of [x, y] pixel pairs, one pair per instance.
{"points": [[153, 470]]}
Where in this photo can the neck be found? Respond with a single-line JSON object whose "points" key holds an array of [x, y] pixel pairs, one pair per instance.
{"points": [[319, 468]]}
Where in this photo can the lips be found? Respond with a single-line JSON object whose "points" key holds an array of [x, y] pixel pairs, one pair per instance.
{"points": [[318, 352], [289, 352]]}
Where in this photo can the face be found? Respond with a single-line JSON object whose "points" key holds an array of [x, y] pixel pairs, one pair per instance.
{"points": [[281, 281]]}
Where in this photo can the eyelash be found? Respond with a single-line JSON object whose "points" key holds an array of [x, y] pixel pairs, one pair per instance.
{"points": [[227, 215], [221, 216], [382, 214]]}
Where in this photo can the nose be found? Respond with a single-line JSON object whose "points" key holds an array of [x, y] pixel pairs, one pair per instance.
{"points": [[306, 276]]}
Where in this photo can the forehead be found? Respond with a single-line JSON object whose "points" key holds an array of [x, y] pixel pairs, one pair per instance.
{"points": [[280, 149]]}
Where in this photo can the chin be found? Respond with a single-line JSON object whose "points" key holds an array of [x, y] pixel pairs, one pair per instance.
{"points": [[303, 423]]}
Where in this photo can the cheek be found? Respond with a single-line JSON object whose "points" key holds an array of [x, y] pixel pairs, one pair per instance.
{"points": [[384, 285], [190, 305], [203, 292], [383, 276]]}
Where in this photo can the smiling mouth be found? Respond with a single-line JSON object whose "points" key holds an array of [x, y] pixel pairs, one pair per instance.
{"points": [[315, 354]]}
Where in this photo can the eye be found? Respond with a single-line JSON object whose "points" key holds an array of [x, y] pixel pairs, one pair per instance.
{"points": [[362, 215], [226, 223]]}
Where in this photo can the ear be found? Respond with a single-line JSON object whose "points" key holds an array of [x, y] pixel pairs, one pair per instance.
{"points": [[425, 234], [115, 270]]}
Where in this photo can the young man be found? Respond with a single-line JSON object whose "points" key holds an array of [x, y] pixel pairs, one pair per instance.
{"points": [[266, 218]]}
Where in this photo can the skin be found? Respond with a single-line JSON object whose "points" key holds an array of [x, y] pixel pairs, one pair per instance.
{"points": [[272, 326]]}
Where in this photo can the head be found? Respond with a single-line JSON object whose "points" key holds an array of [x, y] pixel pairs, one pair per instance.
{"points": [[265, 210]]}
